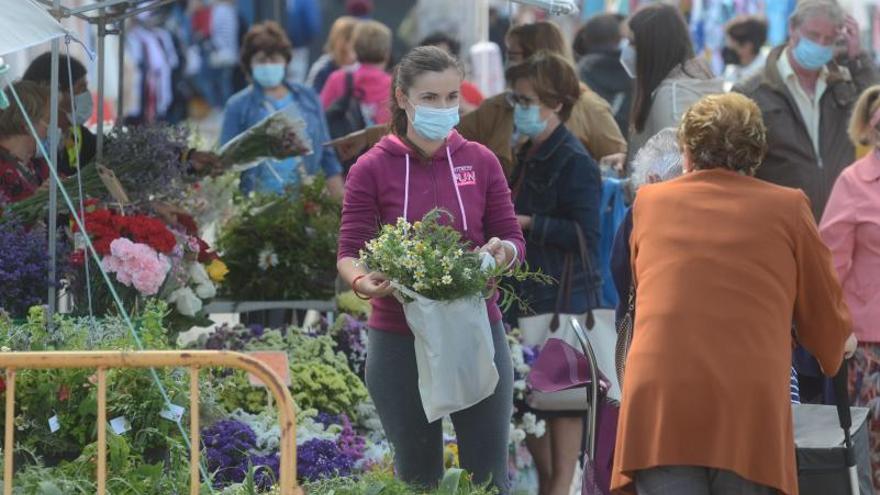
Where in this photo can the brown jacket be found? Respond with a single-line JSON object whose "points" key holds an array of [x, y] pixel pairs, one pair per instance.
{"points": [[707, 375], [591, 122], [791, 160], [491, 125]]}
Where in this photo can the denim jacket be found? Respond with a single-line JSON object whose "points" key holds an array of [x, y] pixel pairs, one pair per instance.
{"points": [[250, 105], [559, 186]]}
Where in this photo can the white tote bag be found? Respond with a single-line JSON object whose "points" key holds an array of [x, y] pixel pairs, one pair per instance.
{"points": [[455, 355], [603, 338]]}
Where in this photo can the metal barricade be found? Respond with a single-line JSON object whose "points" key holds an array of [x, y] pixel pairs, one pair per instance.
{"points": [[194, 360]]}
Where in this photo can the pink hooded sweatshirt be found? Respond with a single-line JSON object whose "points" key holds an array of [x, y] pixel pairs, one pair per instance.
{"points": [[371, 85], [391, 180]]}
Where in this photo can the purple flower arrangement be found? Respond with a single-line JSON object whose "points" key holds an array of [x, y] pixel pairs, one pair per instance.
{"points": [[230, 450], [24, 266], [318, 459], [350, 337], [232, 337]]}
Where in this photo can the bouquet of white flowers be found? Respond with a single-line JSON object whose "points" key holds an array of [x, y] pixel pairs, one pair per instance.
{"points": [[443, 286]]}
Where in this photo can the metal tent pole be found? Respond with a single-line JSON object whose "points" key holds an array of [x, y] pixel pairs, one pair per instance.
{"points": [[54, 137], [119, 96], [102, 33]]}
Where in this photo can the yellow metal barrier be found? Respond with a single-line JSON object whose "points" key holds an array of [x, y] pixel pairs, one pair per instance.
{"points": [[194, 360]]}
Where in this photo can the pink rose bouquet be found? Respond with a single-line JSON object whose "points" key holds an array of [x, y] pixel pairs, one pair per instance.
{"points": [[137, 265]]}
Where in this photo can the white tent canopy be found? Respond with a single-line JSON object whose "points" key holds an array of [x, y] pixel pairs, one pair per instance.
{"points": [[24, 24]]}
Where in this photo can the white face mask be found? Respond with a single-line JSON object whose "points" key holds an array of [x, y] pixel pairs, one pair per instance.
{"points": [[83, 106], [628, 59]]}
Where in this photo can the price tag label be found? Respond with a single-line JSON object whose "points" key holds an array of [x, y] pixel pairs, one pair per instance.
{"points": [[54, 424], [120, 425], [172, 413], [277, 361]]}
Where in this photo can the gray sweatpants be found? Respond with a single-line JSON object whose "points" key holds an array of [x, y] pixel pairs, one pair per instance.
{"points": [[695, 480], [482, 430]]}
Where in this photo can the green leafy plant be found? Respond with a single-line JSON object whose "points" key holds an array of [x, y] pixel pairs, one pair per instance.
{"points": [[455, 482], [282, 247]]}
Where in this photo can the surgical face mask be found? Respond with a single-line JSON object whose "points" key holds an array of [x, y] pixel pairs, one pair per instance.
{"points": [[269, 75], [528, 120], [83, 107], [811, 55], [628, 59], [434, 124]]}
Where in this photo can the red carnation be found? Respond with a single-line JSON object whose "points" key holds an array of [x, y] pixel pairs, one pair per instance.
{"points": [[63, 393], [78, 257], [188, 223], [2, 384]]}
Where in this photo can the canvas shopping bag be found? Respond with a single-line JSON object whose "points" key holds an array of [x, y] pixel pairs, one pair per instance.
{"points": [[455, 355]]}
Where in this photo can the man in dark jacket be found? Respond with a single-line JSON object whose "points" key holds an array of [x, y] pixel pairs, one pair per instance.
{"points": [[806, 94], [597, 46]]}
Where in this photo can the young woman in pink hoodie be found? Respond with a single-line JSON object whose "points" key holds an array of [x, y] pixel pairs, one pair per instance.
{"points": [[424, 164]]}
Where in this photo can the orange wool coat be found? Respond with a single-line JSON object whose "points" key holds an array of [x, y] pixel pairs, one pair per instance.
{"points": [[722, 262]]}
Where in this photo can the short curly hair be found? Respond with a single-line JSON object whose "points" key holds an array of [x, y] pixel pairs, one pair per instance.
{"points": [[724, 131]]}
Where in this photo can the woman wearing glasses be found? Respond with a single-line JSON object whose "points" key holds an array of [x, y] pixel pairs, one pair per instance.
{"points": [[557, 189]]}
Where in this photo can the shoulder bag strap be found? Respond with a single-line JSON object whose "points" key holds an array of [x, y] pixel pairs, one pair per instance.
{"points": [[589, 274]]}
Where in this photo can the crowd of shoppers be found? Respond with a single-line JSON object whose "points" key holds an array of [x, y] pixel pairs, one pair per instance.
{"points": [[767, 241]]}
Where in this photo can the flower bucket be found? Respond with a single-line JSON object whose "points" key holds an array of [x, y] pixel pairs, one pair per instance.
{"points": [[455, 355]]}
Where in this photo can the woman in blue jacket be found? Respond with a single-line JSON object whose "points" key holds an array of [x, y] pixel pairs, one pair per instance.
{"points": [[557, 189], [265, 53]]}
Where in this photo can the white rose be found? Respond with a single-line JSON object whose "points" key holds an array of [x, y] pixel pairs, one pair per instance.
{"points": [[188, 304]]}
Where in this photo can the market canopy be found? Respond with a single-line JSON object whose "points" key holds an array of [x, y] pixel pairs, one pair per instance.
{"points": [[24, 24]]}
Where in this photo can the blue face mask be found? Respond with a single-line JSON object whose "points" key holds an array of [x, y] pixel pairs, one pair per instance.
{"points": [[434, 124], [528, 120], [811, 55], [269, 75]]}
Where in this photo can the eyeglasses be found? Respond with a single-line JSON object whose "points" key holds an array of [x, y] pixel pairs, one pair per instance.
{"points": [[522, 100]]}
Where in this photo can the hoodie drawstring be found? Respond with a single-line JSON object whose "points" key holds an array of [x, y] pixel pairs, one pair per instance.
{"points": [[454, 184], [406, 191], [457, 192]]}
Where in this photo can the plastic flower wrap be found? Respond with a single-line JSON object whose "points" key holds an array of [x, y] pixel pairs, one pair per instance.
{"points": [[280, 135], [137, 265], [660, 159]]}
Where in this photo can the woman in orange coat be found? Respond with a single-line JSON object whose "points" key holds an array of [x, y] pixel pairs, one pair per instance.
{"points": [[721, 261]]}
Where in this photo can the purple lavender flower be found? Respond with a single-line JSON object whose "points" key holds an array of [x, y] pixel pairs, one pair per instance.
{"points": [[267, 469], [327, 419], [257, 330], [319, 459], [350, 443], [530, 354], [228, 444], [24, 265]]}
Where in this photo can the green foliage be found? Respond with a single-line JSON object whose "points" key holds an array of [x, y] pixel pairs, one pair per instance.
{"points": [[300, 229], [235, 392], [349, 303], [320, 386], [455, 482], [71, 394]]}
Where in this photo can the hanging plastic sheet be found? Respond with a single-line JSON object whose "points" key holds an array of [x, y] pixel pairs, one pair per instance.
{"points": [[554, 7], [24, 24]]}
